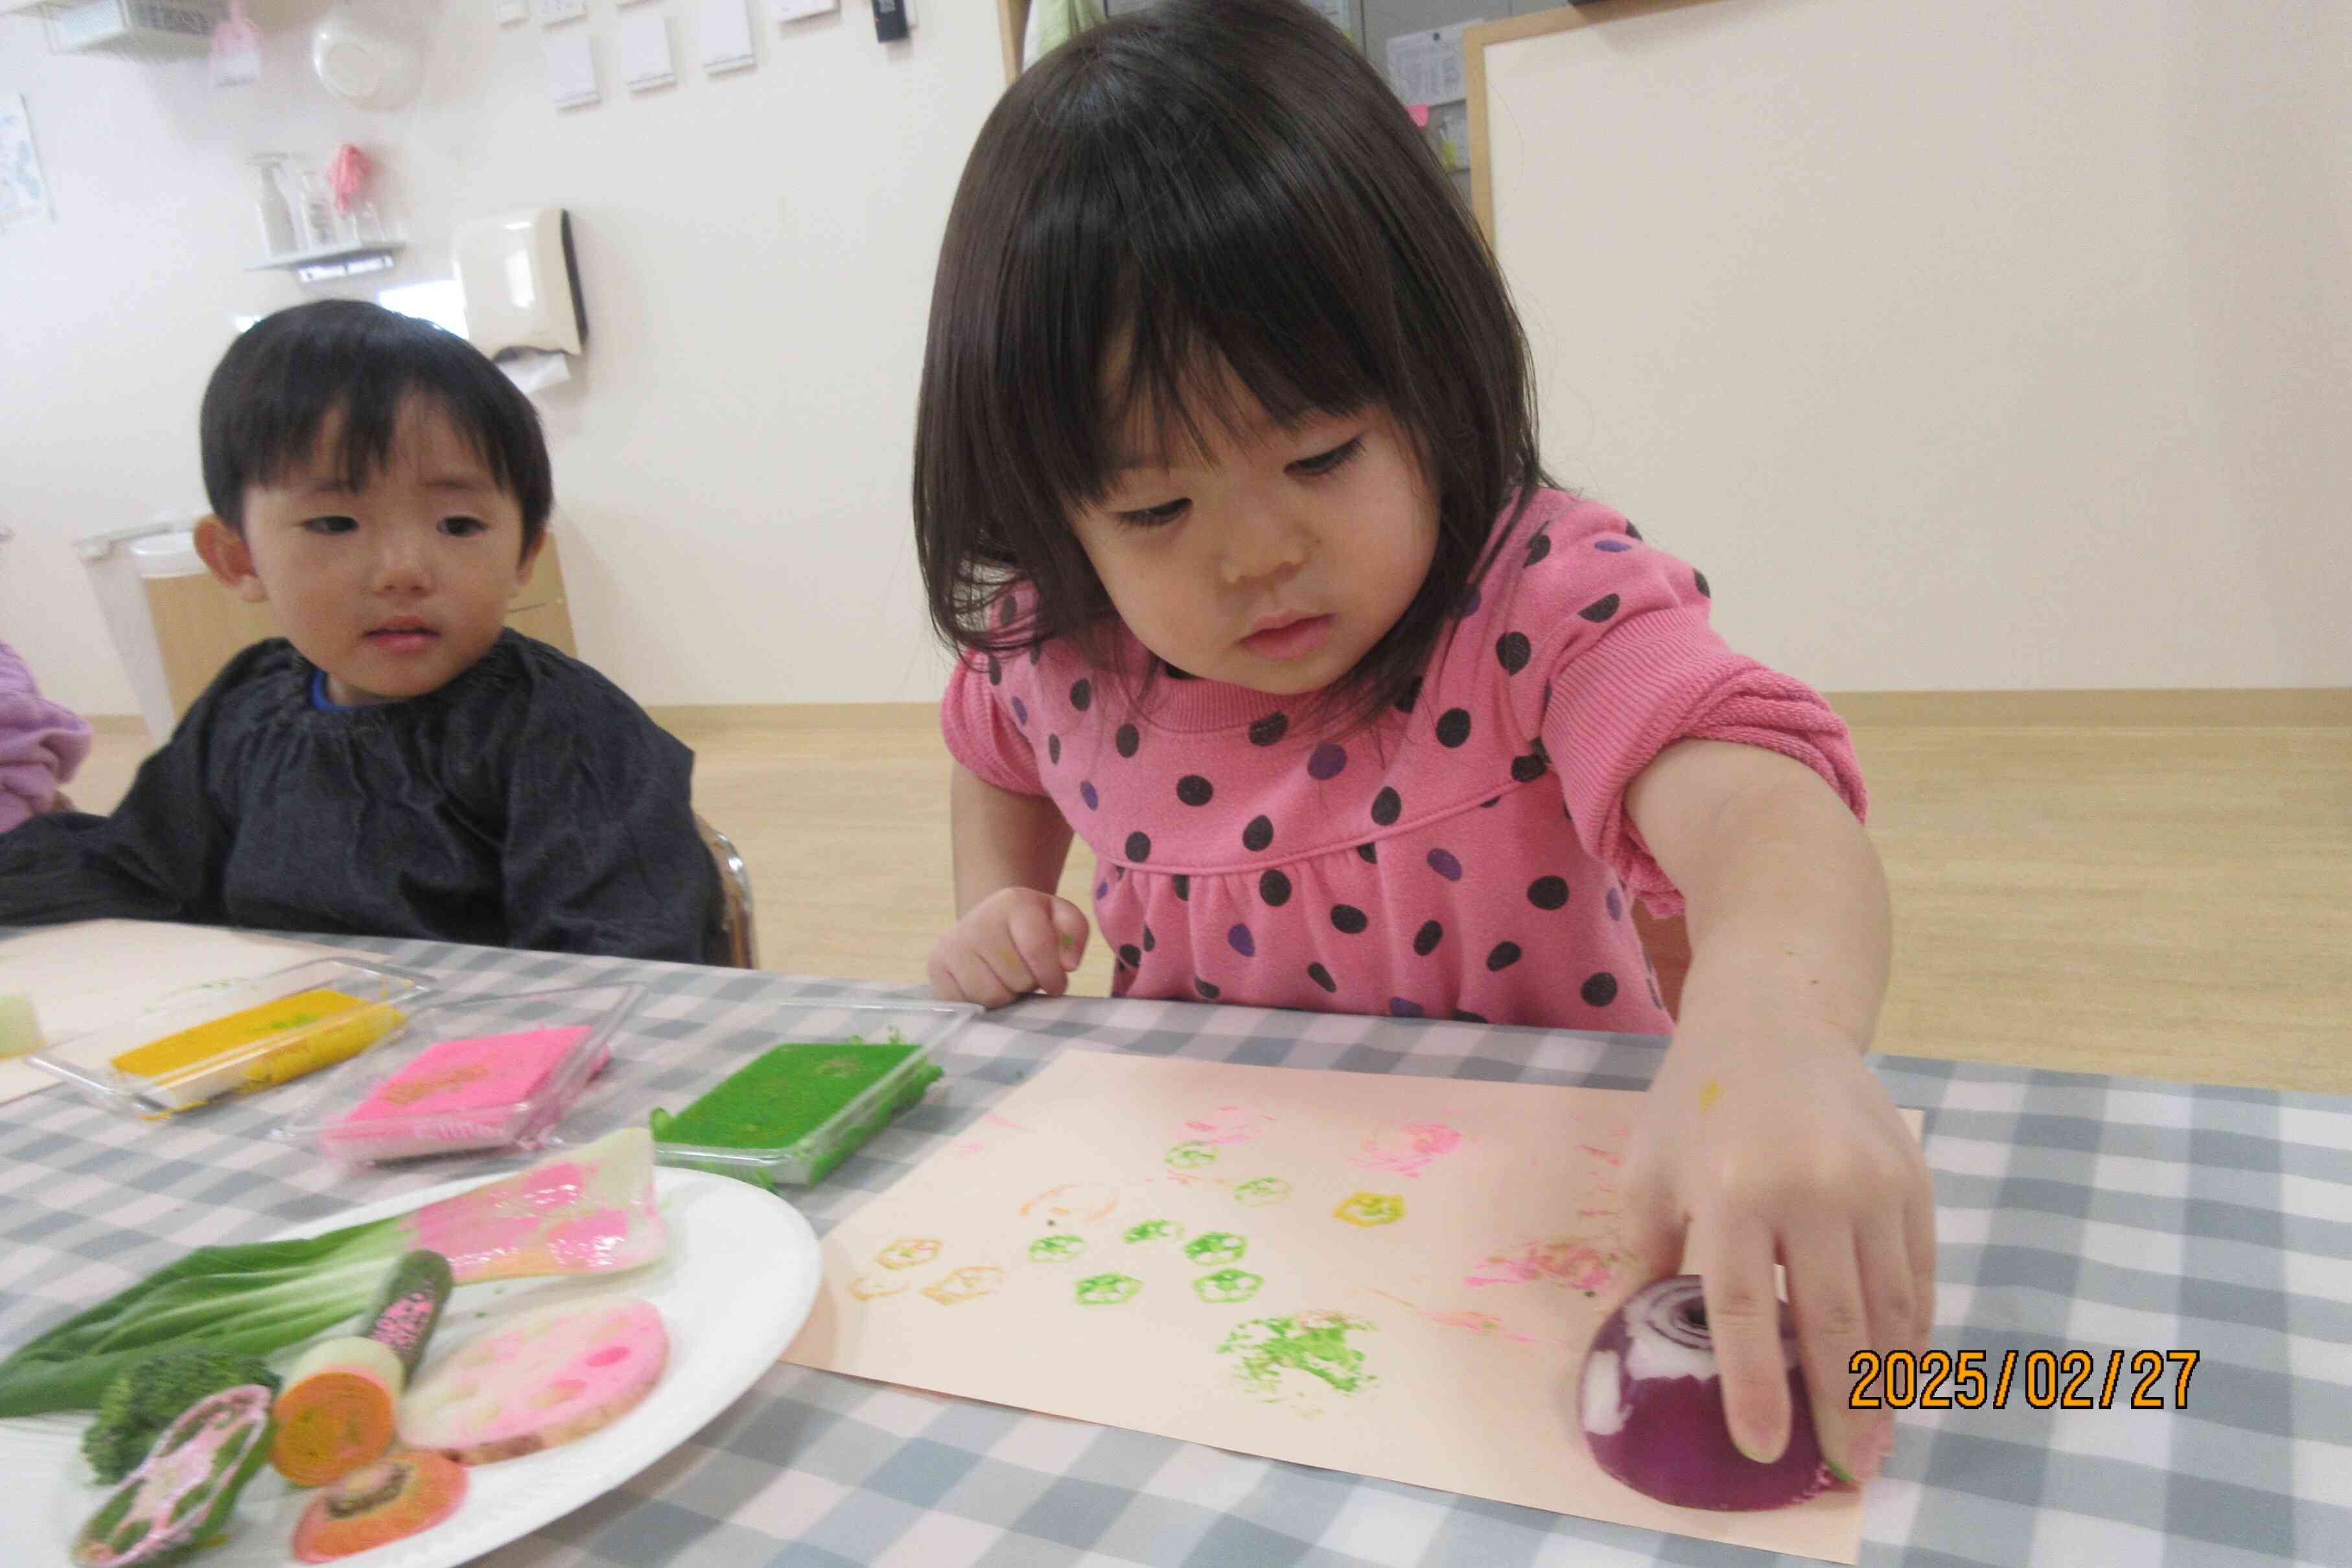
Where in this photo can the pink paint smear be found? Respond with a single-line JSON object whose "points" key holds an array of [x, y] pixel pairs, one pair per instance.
{"points": [[1226, 1125], [1576, 1264], [1408, 1150]]}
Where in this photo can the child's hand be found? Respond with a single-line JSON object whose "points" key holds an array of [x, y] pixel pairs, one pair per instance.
{"points": [[1778, 1147], [1015, 941]]}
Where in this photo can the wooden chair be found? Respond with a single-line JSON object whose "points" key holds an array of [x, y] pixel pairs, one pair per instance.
{"points": [[739, 940], [1667, 944]]}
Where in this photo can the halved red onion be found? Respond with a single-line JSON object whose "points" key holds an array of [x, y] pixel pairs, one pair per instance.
{"points": [[1652, 1397]]}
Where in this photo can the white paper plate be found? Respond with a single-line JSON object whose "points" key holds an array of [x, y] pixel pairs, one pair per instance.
{"points": [[739, 1279]]}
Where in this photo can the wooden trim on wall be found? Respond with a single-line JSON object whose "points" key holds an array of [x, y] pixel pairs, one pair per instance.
{"points": [[2259, 708], [1012, 27], [1510, 29], [2276, 707]]}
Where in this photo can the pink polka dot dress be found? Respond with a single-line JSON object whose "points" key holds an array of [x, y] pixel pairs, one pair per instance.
{"points": [[1466, 856]]}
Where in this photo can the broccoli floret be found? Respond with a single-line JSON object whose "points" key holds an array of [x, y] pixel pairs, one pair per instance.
{"points": [[148, 1396]]}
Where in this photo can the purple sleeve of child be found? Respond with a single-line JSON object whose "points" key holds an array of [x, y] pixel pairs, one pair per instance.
{"points": [[41, 743]]}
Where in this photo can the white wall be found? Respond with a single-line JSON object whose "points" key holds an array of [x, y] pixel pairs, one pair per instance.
{"points": [[756, 252], [2002, 345]]}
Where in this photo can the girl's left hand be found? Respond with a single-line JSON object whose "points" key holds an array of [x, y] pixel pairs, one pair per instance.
{"points": [[1780, 1145]]}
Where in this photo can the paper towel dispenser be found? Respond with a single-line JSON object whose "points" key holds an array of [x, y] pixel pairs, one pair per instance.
{"points": [[521, 282]]}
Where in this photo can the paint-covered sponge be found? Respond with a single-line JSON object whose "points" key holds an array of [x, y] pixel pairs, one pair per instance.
{"points": [[549, 1377], [20, 1027], [457, 1095], [796, 1111]]}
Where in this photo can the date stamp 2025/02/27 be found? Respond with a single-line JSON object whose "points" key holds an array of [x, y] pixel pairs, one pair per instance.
{"points": [[1940, 1380]]}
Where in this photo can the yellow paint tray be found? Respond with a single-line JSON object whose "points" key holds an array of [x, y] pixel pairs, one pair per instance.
{"points": [[236, 1037]]}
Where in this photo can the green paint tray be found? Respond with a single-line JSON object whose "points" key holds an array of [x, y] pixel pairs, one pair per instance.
{"points": [[791, 1113]]}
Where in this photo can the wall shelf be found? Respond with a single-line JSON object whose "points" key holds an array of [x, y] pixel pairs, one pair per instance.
{"points": [[348, 260]]}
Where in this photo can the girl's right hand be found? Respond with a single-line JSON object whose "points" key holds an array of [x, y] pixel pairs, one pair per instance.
{"points": [[1015, 941]]}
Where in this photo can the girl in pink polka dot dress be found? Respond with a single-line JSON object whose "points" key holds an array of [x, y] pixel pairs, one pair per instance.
{"points": [[1227, 489]]}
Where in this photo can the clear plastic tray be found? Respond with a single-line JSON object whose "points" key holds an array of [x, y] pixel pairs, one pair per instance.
{"points": [[466, 1075], [243, 1036], [805, 1160]]}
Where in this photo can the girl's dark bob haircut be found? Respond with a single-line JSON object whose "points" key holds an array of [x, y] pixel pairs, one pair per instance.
{"points": [[273, 391], [1207, 186]]}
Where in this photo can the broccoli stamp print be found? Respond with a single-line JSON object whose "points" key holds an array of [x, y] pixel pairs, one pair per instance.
{"points": [[1055, 1248], [1154, 1230], [1284, 1358], [1192, 1155], [1262, 1191]]}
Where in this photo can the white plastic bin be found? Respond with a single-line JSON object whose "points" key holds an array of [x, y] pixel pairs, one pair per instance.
{"points": [[114, 578]]}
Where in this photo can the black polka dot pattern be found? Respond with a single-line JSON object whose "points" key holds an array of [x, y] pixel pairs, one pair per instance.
{"points": [[1425, 940], [1348, 919], [1207, 992], [1400, 1007], [1194, 790], [1503, 956], [1547, 891], [1453, 727], [1183, 885], [1528, 768], [1513, 650], [1131, 956], [1129, 739], [1082, 696], [1322, 976], [1698, 580], [1053, 748], [1369, 852], [1539, 548], [1275, 888], [1599, 609], [1387, 806], [1269, 730], [1150, 941], [995, 671], [1258, 834], [1631, 531], [1138, 847], [1598, 990]]}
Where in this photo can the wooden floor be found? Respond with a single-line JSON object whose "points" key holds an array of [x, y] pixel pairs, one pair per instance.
{"points": [[2167, 900]]}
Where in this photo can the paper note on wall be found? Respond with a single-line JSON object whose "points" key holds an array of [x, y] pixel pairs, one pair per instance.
{"points": [[645, 51], [24, 194], [572, 71], [1427, 66], [1390, 1275], [722, 30]]}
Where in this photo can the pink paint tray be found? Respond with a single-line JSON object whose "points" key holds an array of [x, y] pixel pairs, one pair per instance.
{"points": [[470, 1074]]}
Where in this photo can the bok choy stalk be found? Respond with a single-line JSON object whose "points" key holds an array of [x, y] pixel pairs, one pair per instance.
{"points": [[587, 1210]]}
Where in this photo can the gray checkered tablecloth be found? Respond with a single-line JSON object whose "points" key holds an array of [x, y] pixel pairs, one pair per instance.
{"points": [[2076, 1212]]}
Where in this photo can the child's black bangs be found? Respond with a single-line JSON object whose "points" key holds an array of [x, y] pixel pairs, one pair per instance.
{"points": [[1172, 241], [363, 368]]}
